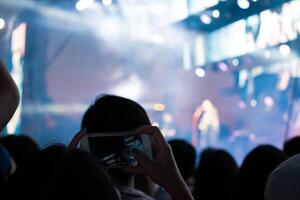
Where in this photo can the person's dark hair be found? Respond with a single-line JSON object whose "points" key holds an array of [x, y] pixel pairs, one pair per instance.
{"points": [[78, 176], [215, 175], [255, 169], [185, 156], [32, 179], [22, 148], [114, 114], [292, 146]]}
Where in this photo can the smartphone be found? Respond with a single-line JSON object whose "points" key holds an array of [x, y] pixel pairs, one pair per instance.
{"points": [[116, 150]]}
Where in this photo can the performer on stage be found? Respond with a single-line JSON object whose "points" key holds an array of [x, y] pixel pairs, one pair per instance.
{"points": [[205, 125]]}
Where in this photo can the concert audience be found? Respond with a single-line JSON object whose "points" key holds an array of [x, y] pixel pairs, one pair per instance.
{"points": [[215, 175], [22, 148], [255, 169], [59, 172], [292, 146]]}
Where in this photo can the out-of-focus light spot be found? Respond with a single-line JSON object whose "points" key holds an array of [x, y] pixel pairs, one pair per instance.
{"points": [[81, 5], [169, 132], [243, 4], [252, 137], [254, 0], [242, 105], [235, 62], [206, 19], [200, 72], [267, 54], [223, 66], [167, 117], [285, 49], [216, 13], [284, 79], [253, 103], [159, 107], [256, 71], [107, 2], [269, 102], [2, 23], [158, 38]]}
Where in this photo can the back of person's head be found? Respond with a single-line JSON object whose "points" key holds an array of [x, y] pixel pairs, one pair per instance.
{"points": [[79, 176], [215, 175], [32, 179], [185, 156], [283, 183], [22, 148], [6, 167], [292, 146], [114, 114], [255, 169]]}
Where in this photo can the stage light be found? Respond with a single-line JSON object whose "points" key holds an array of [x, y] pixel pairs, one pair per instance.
{"points": [[253, 103], [2, 23], [223, 66], [216, 13], [242, 105], [205, 19], [107, 2], [81, 5], [158, 38], [269, 102], [159, 107], [284, 49], [235, 62], [243, 4], [200, 72]]}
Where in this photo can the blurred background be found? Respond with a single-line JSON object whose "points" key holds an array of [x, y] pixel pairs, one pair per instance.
{"points": [[217, 73]]}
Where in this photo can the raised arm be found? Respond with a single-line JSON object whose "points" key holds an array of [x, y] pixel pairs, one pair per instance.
{"points": [[9, 96]]}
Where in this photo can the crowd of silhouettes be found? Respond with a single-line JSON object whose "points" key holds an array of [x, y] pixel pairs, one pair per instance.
{"points": [[69, 172]]}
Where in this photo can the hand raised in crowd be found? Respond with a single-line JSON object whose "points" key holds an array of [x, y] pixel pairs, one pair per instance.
{"points": [[162, 169]]}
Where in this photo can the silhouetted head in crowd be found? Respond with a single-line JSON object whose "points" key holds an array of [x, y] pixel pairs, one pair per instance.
{"points": [[21, 147], [115, 114], [292, 147], [6, 167], [215, 175], [185, 156], [78, 176], [32, 179], [255, 169]]}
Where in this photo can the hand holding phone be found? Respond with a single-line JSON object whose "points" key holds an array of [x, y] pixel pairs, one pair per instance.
{"points": [[162, 169], [116, 150]]}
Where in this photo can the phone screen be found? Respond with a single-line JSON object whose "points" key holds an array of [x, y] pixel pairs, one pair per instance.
{"points": [[116, 151]]}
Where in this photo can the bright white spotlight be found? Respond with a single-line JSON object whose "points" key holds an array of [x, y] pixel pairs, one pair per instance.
{"points": [[205, 19], [269, 102], [158, 38], [107, 2], [216, 13], [81, 5], [200, 72], [243, 4], [284, 49], [2, 23]]}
